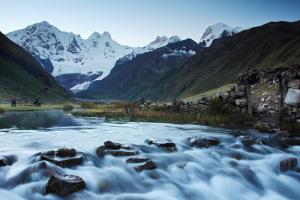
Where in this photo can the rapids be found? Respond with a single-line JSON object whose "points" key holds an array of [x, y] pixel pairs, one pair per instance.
{"points": [[227, 171]]}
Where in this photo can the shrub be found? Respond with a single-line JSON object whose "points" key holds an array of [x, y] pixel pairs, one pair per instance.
{"points": [[2, 110], [217, 105], [88, 105], [68, 107]]}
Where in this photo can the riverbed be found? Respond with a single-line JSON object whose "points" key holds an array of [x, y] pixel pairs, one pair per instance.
{"points": [[228, 170]]}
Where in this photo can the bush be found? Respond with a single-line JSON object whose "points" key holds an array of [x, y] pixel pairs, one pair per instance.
{"points": [[68, 107], [88, 105], [217, 105], [2, 110]]}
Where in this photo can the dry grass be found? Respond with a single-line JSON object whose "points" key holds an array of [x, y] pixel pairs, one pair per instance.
{"points": [[91, 109], [28, 107], [210, 93], [201, 118]]}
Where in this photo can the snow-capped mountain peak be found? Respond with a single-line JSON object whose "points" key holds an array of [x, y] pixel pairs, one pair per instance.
{"points": [[67, 53], [160, 41], [94, 36], [216, 30], [106, 34]]}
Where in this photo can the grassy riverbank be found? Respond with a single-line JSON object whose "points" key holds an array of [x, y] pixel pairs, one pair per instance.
{"points": [[27, 107], [116, 111]]}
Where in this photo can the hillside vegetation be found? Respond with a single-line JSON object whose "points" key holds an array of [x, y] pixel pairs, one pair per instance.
{"points": [[271, 45], [23, 77]]}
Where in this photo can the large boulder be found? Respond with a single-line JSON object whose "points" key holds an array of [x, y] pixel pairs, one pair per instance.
{"points": [[65, 184], [63, 157], [292, 97], [202, 142]]}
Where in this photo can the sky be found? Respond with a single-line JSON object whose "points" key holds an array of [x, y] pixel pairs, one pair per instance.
{"points": [[138, 22]]}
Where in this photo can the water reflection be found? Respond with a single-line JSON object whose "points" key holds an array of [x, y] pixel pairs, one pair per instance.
{"points": [[36, 119]]}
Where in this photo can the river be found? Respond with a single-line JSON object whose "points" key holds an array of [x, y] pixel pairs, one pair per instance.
{"points": [[227, 171]]}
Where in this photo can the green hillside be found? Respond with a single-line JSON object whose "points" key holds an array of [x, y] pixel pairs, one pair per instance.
{"points": [[271, 45], [22, 76]]}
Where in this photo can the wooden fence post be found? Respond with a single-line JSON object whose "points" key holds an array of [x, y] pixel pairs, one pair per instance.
{"points": [[248, 97]]}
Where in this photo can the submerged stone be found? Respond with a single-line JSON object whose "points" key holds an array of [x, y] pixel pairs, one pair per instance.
{"points": [[7, 160], [149, 165], [136, 160], [288, 164], [121, 153], [247, 140]]}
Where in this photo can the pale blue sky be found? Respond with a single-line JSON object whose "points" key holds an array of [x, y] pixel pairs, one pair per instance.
{"points": [[137, 22]]}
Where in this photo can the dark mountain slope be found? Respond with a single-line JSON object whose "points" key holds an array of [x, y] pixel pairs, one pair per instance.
{"points": [[132, 79], [271, 45], [21, 75]]}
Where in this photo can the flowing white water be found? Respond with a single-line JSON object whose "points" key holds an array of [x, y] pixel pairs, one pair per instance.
{"points": [[190, 173]]}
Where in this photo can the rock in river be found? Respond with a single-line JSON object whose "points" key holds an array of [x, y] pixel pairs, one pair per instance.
{"points": [[115, 149], [136, 160], [7, 160], [149, 165], [166, 145], [65, 184], [288, 164], [63, 157], [202, 142]]}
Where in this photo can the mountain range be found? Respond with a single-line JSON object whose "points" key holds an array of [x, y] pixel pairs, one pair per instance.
{"points": [[135, 78], [68, 56], [275, 44], [164, 70], [212, 65]]}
